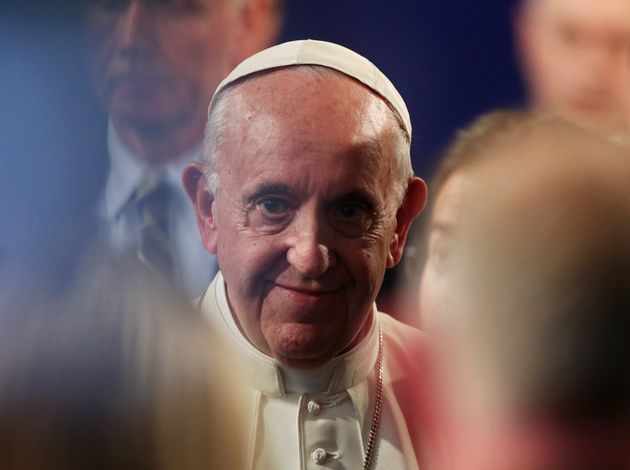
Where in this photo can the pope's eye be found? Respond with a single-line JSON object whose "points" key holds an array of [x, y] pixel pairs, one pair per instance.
{"points": [[273, 206], [348, 211], [352, 219], [269, 213]]}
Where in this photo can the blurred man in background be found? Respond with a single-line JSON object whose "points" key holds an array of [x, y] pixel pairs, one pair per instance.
{"points": [[574, 58], [533, 358], [154, 67]]}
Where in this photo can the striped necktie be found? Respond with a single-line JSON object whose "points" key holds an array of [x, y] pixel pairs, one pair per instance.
{"points": [[155, 249]]}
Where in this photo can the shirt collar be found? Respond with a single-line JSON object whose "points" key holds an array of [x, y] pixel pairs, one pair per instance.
{"points": [[127, 172], [269, 376]]}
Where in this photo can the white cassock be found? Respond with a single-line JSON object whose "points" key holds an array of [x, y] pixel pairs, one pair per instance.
{"points": [[320, 419]]}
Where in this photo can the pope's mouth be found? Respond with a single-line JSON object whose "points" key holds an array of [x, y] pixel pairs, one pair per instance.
{"points": [[309, 291]]}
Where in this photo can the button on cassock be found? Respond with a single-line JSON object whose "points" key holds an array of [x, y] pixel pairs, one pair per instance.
{"points": [[319, 456], [313, 408]]}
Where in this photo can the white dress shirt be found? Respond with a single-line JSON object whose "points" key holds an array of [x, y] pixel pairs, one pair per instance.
{"points": [[194, 267], [316, 419]]}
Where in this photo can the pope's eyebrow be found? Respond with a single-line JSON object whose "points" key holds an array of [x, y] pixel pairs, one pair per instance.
{"points": [[267, 188]]}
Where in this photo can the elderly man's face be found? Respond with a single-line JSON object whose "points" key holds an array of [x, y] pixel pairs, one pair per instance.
{"points": [[155, 64], [574, 55], [305, 221]]}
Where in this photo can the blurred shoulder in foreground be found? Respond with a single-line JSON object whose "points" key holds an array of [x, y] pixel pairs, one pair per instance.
{"points": [[112, 370], [536, 328]]}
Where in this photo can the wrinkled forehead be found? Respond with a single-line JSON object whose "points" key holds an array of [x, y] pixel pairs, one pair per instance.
{"points": [[316, 132], [308, 103], [308, 85]]}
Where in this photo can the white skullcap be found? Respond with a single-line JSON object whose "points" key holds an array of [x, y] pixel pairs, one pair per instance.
{"points": [[325, 54]]}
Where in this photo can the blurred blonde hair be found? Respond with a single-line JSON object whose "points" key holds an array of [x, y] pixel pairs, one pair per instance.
{"points": [[115, 372]]}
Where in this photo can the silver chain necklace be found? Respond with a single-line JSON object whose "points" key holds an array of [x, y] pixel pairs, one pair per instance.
{"points": [[378, 406], [378, 401]]}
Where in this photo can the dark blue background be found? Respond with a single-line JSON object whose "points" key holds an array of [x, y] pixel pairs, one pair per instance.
{"points": [[450, 59]]}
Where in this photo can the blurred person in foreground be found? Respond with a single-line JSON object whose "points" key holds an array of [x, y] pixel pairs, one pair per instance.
{"points": [[154, 66], [113, 373], [429, 256], [426, 255], [574, 59], [532, 360], [306, 195]]}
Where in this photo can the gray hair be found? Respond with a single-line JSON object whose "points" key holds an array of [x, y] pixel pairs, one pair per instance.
{"points": [[218, 123]]}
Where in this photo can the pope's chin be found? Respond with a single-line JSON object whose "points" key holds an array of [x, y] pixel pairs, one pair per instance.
{"points": [[304, 346]]}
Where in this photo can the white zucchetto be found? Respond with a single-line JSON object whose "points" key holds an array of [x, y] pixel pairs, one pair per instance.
{"points": [[325, 54]]}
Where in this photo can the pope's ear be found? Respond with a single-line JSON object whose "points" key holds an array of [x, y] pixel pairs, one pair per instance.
{"points": [[413, 203], [194, 181]]}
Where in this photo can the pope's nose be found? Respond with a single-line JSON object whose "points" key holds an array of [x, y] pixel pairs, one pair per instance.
{"points": [[309, 256]]}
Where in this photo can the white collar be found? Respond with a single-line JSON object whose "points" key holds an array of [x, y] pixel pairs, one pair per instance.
{"points": [[127, 172], [269, 376]]}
